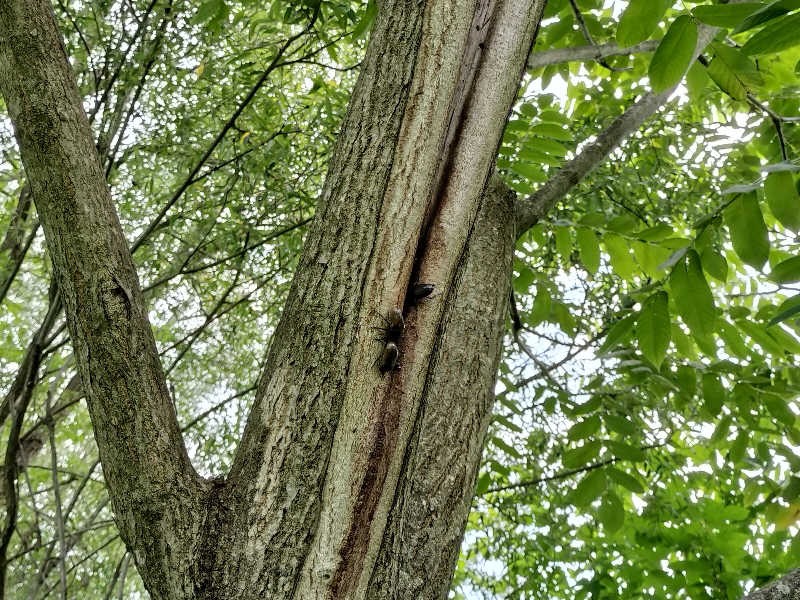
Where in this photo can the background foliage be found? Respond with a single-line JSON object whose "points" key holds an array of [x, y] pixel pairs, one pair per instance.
{"points": [[645, 436]]}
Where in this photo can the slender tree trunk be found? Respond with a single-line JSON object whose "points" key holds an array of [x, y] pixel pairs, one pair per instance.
{"points": [[350, 481]]}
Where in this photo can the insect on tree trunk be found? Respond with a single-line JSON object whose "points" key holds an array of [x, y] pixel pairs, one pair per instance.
{"points": [[350, 481]]}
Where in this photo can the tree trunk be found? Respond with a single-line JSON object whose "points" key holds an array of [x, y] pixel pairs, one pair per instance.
{"points": [[352, 480]]}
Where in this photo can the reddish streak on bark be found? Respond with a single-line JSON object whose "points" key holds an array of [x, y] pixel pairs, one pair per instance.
{"points": [[382, 438]]}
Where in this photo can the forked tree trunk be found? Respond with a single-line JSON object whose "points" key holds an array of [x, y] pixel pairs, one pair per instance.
{"points": [[349, 482]]}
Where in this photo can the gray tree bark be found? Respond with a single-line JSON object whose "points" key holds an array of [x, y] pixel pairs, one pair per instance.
{"points": [[349, 482]]}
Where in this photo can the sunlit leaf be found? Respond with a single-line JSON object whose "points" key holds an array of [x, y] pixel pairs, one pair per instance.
{"points": [[778, 35], [639, 20], [611, 512], [748, 231], [693, 297], [783, 199], [725, 15], [673, 55], [589, 488], [653, 329]]}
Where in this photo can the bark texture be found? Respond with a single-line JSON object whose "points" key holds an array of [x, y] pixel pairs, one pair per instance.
{"points": [[785, 588], [432, 501], [153, 487]]}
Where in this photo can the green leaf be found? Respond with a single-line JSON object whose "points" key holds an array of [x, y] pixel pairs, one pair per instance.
{"points": [[563, 243], [738, 447], [696, 81], [626, 451], [787, 271], [725, 15], [748, 231], [686, 378], [577, 457], [654, 328], [733, 72], [777, 36], [674, 54], [619, 425], [611, 513], [589, 488], [783, 199], [523, 281], [506, 447], [589, 249], [208, 10], [713, 394], [549, 146], [650, 257], [673, 258], [619, 255], [365, 24], [483, 484], [584, 429], [761, 337], [639, 20], [618, 333], [552, 130], [561, 314], [629, 482], [693, 298], [541, 305], [769, 12], [715, 264], [531, 172], [587, 407], [787, 310], [733, 341], [777, 407]]}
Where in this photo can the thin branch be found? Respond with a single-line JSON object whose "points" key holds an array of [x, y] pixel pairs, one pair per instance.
{"points": [[124, 61], [558, 56], [529, 210], [588, 36], [11, 274], [188, 271], [777, 121], [221, 135], [565, 474], [215, 312], [62, 544], [16, 404], [217, 406]]}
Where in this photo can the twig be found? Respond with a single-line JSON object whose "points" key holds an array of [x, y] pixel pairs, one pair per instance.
{"points": [[221, 135], [62, 544], [565, 474], [588, 37]]}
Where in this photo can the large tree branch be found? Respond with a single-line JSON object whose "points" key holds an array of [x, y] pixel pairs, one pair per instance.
{"points": [[157, 496], [529, 210], [785, 588]]}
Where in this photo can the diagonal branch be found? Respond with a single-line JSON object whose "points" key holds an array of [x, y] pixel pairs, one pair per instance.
{"points": [[275, 63], [529, 210]]}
